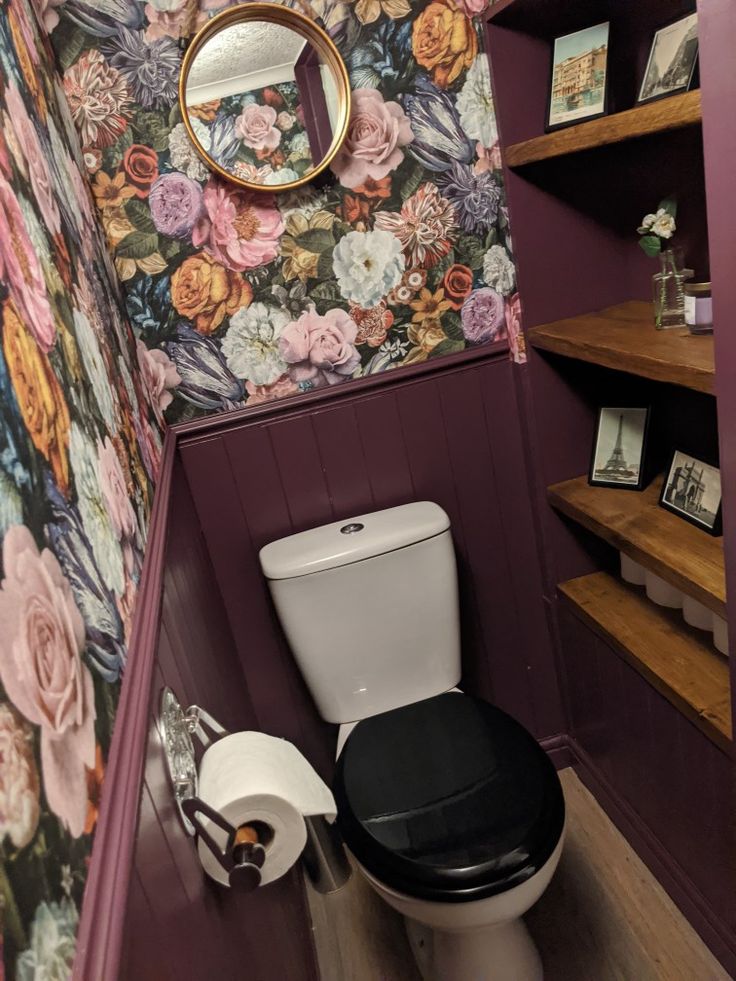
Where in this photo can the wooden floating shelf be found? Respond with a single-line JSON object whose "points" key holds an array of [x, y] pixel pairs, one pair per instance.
{"points": [[675, 659], [676, 112], [633, 522], [623, 337]]}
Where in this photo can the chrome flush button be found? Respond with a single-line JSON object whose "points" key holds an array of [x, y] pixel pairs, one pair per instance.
{"points": [[351, 528]]}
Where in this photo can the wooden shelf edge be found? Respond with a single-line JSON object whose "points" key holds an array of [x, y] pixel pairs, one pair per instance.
{"points": [[672, 113], [671, 356], [564, 497], [680, 665]]}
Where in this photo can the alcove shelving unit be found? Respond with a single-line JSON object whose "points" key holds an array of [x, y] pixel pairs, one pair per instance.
{"points": [[576, 196]]}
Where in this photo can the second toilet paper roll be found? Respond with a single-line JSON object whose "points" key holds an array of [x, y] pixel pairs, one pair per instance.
{"points": [[251, 777]]}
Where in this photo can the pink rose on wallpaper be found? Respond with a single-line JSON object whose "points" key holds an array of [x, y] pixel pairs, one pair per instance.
{"points": [[20, 268], [115, 489], [19, 784], [238, 229], [372, 148], [256, 127], [282, 387], [38, 170], [159, 376], [285, 121], [47, 13], [321, 350], [488, 159], [472, 8], [513, 328], [41, 641]]}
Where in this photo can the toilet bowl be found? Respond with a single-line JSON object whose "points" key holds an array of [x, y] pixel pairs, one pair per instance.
{"points": [[451, 809]]}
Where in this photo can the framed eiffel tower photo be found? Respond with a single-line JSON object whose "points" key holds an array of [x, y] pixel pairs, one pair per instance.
{"points": [[692, 490], [619, 449]]}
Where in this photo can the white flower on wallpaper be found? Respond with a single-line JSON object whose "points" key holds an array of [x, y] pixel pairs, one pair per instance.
{"points": [[367, 266], [499, 271], [475, 103], [251, 344], [94, 364]]}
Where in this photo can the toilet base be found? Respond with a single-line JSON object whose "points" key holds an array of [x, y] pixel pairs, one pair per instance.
{"points": [[501, 952]]}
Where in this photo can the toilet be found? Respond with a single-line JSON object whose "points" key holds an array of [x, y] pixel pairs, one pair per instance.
{"points": [[450, 808]]}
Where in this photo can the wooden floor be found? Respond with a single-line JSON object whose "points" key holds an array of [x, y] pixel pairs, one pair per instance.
{"points": [[603, 918]]}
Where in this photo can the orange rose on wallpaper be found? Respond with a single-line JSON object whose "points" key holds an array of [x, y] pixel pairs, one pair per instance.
{"points": [[458, 283], [444, 41], [140, 164], [205, 292], [40, 398]]}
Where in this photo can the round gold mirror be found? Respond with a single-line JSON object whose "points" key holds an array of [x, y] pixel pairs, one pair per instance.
{"points": [[265, 97]]}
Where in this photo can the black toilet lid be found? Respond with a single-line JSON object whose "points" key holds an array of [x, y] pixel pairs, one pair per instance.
{"points": [[448, 799]]}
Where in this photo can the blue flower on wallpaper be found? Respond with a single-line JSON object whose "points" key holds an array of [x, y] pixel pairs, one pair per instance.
{"points": [[224, 141], [206, 381], [150, 68], [476, 197], [439, 140], [148, 303], [385, 60], [104, 628], [103, 18]]}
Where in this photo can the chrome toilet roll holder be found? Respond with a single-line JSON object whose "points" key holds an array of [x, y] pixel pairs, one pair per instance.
{"points": [[244, 852], [242, 855]]}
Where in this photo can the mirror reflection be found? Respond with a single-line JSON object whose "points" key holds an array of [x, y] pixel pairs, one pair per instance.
{"points": [[262, 102]]}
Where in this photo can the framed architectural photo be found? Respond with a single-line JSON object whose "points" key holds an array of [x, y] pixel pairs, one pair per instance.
{"points": [[619, 448], [579, 77], [672, 60], [692, 490]]}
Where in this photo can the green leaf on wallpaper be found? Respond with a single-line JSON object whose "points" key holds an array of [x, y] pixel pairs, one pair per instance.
{"points": [[316, 240], [325, 291], [140, 215], [169, 247], [450, 346], [137, 245], [152, 130], [113, 155], [324, 266], [412, 181], [174, 116], [71, 43], [469, 251], [453, 327]]}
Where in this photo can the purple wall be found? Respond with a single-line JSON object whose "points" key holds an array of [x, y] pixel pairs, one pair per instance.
{"points": [[452, 437], [179, 925]]}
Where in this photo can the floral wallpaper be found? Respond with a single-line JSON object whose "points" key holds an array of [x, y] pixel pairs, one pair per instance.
{"points": [[268, 143], [403, 254], [79, 448]]}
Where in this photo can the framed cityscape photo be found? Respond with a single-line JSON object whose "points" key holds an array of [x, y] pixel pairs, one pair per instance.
{"points": [[619, 448], [672, 60], [579, 77], [692, 490]]}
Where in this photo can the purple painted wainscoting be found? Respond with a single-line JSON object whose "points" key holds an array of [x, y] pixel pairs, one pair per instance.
{"points": [[179, 925], [453, 437]]}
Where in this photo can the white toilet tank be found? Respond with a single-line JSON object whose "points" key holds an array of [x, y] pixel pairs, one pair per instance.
{"points": [[370, 609]]}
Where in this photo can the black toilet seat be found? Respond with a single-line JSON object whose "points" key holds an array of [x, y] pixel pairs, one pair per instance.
{"points": [[448, 799]]}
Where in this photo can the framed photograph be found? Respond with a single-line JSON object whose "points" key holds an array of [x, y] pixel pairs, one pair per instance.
{"points": [[618, 448], [692, 490], [579, 77], [672, 60]]}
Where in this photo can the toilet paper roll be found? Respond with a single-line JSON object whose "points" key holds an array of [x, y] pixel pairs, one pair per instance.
{"points": [[250, 777], [631, 571], [720, 634], [662, 593], [696, 614]]}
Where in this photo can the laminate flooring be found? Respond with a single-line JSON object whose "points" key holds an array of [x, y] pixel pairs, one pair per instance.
{"points": [[603, 918]]}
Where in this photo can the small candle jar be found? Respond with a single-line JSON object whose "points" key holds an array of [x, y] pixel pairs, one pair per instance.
{"points": [[698, 308]]}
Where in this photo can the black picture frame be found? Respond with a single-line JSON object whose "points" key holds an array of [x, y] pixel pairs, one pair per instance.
{"points": [[684, 86], [605, 426], [665, 498], [549, 125]]}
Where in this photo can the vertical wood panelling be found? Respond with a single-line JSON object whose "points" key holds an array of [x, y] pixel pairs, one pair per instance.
{"points": [[341, 452], [384, 450], [194, 928], [300, 465]]}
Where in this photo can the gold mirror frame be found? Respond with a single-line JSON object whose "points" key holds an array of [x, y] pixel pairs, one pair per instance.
{"points": [[274, 13]]}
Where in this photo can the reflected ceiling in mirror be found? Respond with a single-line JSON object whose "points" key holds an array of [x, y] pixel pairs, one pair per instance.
{"points": [[265, 97]]}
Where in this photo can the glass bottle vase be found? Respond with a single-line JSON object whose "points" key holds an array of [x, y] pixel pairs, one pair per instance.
{"points": [[668, 290]]}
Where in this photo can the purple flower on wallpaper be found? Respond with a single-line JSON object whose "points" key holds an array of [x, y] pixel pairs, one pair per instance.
{"points": [[206, 381], [439, 140], [176, 204], [482, 317], [104, 18], [104, 642], [151, 69], [476, 197]]}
